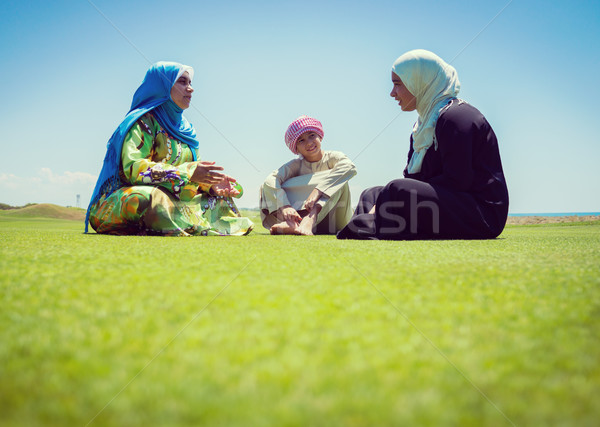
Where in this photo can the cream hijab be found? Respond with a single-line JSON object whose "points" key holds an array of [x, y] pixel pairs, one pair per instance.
{"points": [[434, 83]]}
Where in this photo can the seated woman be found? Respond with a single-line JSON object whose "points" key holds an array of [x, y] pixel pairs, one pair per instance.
{"points": [[454, 187], [310, 194], [152, 181]]}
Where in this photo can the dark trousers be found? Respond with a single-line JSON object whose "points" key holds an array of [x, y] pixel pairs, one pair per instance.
{"points": [[407, 209]]}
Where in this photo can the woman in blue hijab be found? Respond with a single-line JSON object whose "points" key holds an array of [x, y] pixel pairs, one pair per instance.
{"points": [[152, 181]]}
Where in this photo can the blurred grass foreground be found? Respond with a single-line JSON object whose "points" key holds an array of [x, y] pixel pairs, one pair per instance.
{"points": [[289, 330]]}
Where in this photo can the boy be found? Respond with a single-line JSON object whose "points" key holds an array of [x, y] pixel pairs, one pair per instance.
{"points": [[308, 195]]}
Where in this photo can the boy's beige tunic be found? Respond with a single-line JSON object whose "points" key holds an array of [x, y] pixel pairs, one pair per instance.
{"points": [[292, 183]]}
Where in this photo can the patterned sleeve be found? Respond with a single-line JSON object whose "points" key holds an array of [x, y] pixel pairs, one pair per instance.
{"points": [[139, 169]]}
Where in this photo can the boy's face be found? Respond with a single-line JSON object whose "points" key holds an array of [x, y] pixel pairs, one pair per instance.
{"points": [[309, 145]]}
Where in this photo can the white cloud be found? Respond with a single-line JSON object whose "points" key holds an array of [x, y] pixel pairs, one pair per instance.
{"points": [[47, 187], [8, 180], [68, 178]]}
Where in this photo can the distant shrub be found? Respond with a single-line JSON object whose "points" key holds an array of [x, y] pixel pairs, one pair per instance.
{"points": [[5, 207]]}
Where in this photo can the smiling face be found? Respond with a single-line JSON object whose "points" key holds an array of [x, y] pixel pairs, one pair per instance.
{"points": [[400, 93], [181, 92], [309, 145]]}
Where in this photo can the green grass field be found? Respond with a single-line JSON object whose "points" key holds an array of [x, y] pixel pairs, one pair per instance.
{"points": [[295, 331]]}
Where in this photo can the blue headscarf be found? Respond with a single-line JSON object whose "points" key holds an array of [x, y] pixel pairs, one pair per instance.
{"points": [[154, 94]]}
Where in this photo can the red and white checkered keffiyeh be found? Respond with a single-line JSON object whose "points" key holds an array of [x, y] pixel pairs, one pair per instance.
{"points": [[299, 126]]}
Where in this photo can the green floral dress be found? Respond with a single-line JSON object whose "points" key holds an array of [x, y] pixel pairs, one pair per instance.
{"points": [[162, 200]]}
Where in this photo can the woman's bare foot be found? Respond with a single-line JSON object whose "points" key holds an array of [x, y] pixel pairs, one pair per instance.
{"points": [[284, 228]]}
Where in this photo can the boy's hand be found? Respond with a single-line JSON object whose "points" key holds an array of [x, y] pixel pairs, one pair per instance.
{"points": [[289, 215], [312, 198]]}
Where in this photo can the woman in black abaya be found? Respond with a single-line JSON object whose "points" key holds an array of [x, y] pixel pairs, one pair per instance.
{"points": [[453, 185]]}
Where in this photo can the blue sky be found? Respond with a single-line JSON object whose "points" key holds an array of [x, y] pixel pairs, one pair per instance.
{"points": [[71, 68]]}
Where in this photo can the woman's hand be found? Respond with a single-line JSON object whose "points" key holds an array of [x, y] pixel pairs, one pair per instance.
{"points": [[205, 173], [289, 215], [312, 198], [225, 188]]}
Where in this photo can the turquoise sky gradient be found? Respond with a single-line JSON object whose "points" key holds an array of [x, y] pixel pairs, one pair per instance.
{"points": [[530, 67]]}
